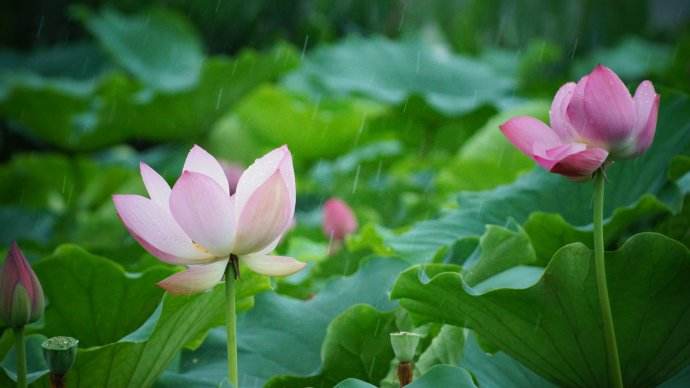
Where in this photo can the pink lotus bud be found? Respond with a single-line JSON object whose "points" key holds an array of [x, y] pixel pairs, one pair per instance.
{"points": [[338, 219], [21, 295], [592, 121], [233, 172]]}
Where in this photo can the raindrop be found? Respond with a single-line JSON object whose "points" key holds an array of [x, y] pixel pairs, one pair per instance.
{"points": [[304, 47], [402, 16], [371, 367], [377, 177], [572, 53], [356, 181], [419, 58], [219, 97], [541, 51], [360, 130], [40, 26]]}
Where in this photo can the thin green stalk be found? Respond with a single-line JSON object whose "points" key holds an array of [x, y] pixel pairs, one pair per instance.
{"points": [[231, 324], [21, 356], [600, 267]]}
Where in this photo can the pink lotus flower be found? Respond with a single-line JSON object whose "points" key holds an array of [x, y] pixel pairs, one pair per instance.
{"points": [[592, 121], [200, 224], [21, 294], [338, 219]]}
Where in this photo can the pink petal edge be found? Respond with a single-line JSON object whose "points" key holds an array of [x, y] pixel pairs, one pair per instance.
{"points": [[550, 157], [272, 265], [200, 161], [156, 186], [195, 279], [527, 132], [261, 170], [647, 106], [582, 164]]}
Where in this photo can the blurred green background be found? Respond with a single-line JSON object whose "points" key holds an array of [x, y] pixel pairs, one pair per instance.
{"points": [[392, 105]]}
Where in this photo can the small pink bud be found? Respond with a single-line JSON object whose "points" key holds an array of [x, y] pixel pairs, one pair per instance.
{"points": [[21, 295], [338, 219], [233, 172]]}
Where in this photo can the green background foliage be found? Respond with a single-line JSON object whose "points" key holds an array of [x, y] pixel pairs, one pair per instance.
{"points": [[393, 106]]}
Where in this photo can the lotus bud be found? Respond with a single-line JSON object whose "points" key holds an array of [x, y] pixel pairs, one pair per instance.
{"points": [[21, 295], [593, 121], [338, 219], [60, 353], [405, 345]]}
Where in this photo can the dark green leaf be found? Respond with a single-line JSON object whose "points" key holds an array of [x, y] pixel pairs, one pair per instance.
{"points": [[92, 299], [446, 348], [632, 59], [357, 344], [391, 72], [283, 336], [312, 129], [159, 47], [498, 370], [499, 249], [86, 115], [554, 325]]}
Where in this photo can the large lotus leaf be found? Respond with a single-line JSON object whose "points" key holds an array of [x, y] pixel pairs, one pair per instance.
{"points": [[549, 231], [118, 317], [450, 347], [84, 115], [357, 345], [499, 250], [391, 72], [312, 129], [446, 348], [283, 336], [159, 46], [36, 364], [91, 298], [554, 325], [632, 59], [539, 190], [498, 370], [78, 60], [138, 359], [65, 199]]}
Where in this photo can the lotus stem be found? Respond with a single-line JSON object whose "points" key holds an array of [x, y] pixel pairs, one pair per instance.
{"points": [[21, 356], [231, 322], [614, 365]]}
